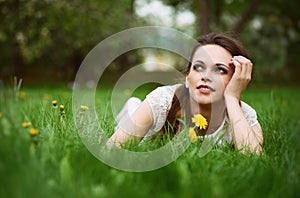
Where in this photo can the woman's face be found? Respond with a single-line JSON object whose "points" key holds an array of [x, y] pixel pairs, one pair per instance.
{"points": [[209, 74]]}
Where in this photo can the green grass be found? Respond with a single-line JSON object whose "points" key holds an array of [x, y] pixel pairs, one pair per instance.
{"points": [[55, 163]]}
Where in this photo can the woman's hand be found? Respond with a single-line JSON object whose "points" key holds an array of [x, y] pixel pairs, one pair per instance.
{"points": [[240, 78], [244, 136]]}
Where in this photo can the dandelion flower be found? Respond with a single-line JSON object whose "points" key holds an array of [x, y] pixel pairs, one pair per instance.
{"points": [[26, 124], [33, 132], [22, 95], [46, 97], [83, 108], [62, 111], [1, 115], [193, 135], [54, 103], [61, 107], [199, 121]]}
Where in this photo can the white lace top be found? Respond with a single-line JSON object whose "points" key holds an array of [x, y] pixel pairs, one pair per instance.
{"points": [[160, 101]]}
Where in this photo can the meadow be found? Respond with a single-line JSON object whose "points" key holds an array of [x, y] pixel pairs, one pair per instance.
{"points": [[42, 155]]}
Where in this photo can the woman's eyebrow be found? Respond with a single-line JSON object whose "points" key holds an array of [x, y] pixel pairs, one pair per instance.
{"points": [[200, 61], [222, 64], [217, 64]]}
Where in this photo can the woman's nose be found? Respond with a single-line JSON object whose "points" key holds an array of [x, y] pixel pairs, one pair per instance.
{"points": [[206, 76]]}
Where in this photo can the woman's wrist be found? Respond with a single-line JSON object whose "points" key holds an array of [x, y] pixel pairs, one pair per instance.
{"points": [[231, 99]]}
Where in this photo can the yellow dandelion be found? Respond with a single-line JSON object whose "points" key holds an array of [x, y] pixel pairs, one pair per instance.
{"points": [[83, 108], [61, 107], [199, 121], [33, 132], [1, 115], [22, 95], [193, 135], [26, 124], [46, 97], [54, 103]]}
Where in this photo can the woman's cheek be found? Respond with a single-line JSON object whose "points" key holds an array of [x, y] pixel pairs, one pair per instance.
{"points": [[225, 82]]}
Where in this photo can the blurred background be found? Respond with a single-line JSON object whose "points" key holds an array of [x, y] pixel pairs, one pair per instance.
{"points": [[44, 42]]}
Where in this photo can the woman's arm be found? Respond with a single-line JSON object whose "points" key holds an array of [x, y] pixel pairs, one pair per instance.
{"points": [[136, 126], [244, 136]]}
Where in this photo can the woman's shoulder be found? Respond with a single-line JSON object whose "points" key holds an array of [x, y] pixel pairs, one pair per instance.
{"points": [[160, 101], [161, 92], [246, 107], [170, 88]]}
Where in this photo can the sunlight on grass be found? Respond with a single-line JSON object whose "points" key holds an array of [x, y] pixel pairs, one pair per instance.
{"points": [[51, 160]]}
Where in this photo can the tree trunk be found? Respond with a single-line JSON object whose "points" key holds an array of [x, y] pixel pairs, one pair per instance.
{"points": [[218, 11], [131, 10], [75, 62], [204, 17], [18, 59], [245, 17], [19, 65]]}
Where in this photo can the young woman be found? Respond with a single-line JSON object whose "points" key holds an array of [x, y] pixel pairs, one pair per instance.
{"points": [[218, 72]]}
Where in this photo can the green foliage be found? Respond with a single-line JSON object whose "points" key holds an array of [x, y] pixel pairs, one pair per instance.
{"points": [[67, 28], [55, 35], [55, 163]]}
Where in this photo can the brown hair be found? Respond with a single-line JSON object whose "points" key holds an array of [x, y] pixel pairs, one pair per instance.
{"points": [[181, 101]]}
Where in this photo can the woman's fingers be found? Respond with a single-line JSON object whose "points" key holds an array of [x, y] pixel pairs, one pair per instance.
{"points": [[241, 76], [243, 67]]}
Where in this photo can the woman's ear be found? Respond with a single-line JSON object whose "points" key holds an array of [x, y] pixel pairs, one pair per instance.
{"points": [[186, 83]]}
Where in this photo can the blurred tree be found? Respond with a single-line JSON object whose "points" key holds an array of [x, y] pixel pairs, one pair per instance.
{"points": [[54, 35], [210, 13], [57, 34], [273, 36]]}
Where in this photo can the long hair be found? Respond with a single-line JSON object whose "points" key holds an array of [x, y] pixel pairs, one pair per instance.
{"points": [[180, 107]]}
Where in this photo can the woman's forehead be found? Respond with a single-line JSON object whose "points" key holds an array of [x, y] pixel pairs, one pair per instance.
{"points": [[212, 54]]}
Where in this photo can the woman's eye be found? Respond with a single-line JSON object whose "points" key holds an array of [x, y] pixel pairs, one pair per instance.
{"points": [[198, 67], [221, 70]]}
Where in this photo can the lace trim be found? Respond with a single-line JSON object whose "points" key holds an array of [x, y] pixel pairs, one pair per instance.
{"points": [[160, 101], [249, 113]]}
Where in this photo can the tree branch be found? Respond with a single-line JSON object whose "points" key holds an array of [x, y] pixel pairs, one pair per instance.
{"points": [[245, 17]]}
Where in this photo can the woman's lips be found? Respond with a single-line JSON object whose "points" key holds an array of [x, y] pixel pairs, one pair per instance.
{"points": [[205, 89]]}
